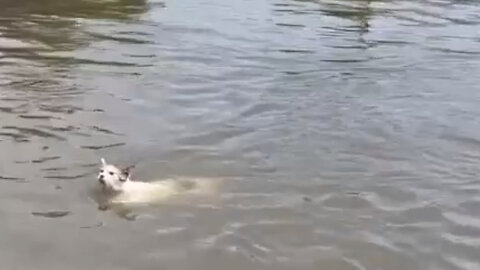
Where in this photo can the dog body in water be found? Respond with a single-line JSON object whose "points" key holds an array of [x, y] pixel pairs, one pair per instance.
{"points": [[117, 185]]}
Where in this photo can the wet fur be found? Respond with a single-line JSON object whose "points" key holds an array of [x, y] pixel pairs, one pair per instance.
{"points": [[118, 188]]}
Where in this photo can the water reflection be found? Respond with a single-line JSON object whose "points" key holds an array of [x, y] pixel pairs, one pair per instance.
{"points": [[101, 9], [357, 11], [49, 34], [29, 27], [43, 47]]}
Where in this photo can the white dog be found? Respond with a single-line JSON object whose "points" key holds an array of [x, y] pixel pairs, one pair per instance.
{"points": [[117, 184]]}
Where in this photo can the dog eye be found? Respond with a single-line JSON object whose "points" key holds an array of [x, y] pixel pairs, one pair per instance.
{"points": [[101, 171], [111, 173]]}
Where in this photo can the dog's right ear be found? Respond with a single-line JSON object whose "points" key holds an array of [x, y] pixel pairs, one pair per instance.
{"points": [[104, 163]]}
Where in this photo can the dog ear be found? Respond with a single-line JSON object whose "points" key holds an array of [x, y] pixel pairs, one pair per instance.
{"points": [[126, 173], [104, 163]]}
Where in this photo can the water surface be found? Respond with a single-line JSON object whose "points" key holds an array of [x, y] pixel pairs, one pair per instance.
{"points": [[347, 132]]}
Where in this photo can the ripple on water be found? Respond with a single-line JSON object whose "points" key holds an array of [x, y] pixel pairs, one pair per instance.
{"points": [[347, 201], [99, 147], [423, 213], [29, 132]]}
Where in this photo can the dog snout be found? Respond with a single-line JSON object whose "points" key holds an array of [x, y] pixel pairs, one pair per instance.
{"points": [[100, 179]]}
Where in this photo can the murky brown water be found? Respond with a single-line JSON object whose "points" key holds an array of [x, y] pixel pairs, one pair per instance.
{"points": [[347, 132]]}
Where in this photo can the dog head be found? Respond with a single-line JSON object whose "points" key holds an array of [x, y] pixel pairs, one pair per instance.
{"points": [[112, 178]]}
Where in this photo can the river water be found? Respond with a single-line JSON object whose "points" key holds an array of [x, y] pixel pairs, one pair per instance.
{"points": [[347, 132]]}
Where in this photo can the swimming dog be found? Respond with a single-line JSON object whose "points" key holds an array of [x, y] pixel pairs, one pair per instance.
{"points": [[118, 185]]}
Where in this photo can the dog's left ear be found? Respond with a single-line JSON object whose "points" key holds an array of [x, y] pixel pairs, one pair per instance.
{"points": [[126, 173]]}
